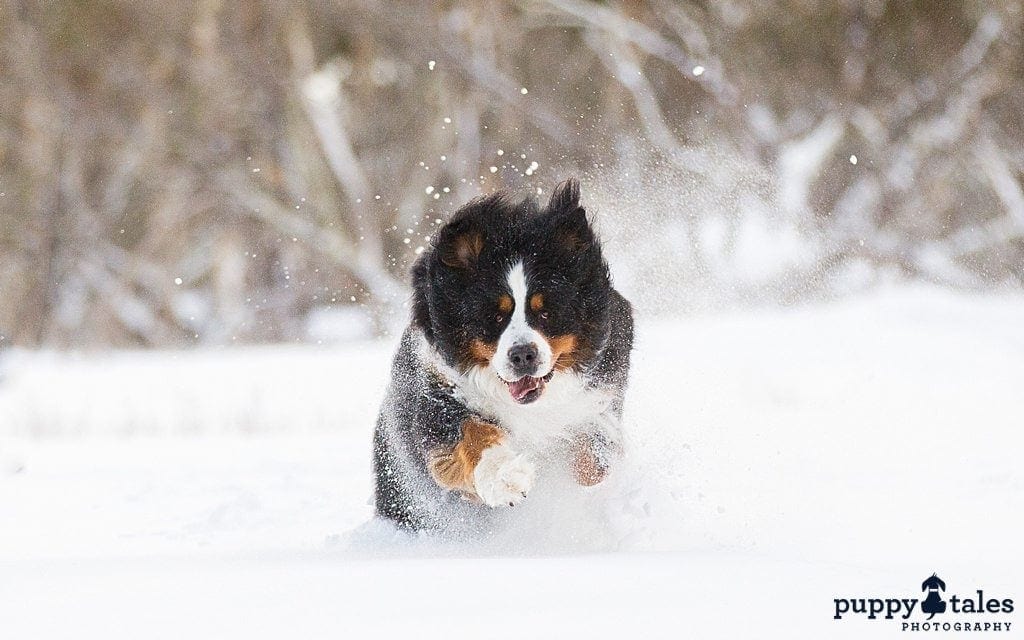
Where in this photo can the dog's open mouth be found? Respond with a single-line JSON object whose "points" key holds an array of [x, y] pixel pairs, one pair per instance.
{"points": [[527, 389]]}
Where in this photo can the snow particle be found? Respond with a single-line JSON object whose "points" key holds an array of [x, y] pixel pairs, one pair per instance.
{"points": [[494, 169], [524, 91], [447, 120], [431, 65], [853, 159], [501, 152], [429, 190], [698, 71], [177, 281]]}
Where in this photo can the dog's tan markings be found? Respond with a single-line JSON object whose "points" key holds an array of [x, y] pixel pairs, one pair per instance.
{"points": [[586, 466], [453, 467], [505, 304], [563, 350], [480, 352], [463, 250], [537, 301]]}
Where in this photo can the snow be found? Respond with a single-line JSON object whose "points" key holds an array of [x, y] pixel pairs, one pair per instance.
{"points": [[778, 459]]}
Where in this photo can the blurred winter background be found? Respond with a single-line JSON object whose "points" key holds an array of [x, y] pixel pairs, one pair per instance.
{"points": [[285, 160], [208, 209]]}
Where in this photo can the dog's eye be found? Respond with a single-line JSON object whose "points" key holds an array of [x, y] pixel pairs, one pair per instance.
{"points": [[499, 318], [543, 315]]}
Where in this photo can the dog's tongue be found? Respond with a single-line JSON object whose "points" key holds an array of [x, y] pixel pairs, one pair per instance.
{"points": [[521, 387]]}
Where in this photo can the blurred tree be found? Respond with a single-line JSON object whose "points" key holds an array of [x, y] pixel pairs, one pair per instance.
{"points": [[208, 172]]}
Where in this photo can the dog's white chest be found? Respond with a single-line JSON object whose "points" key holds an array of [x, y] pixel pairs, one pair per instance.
{"points": [[567, 406]]}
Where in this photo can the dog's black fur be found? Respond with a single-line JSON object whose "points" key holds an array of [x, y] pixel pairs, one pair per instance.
{"points": [[459, 283]]}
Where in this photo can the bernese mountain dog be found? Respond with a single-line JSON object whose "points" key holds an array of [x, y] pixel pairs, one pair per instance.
{"points": [[516, 357]]}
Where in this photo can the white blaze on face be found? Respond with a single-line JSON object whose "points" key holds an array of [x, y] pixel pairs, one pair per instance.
{"points": [[519, 331]]}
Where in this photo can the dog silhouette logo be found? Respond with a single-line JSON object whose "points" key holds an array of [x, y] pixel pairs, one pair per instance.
{"points": [[933, 603]]}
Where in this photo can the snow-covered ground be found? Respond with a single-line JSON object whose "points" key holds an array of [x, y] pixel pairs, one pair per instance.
{"points": [[777, 460]]}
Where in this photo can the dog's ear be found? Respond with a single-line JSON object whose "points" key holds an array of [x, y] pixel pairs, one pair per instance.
{"points": [[421, 297], [460, 245], [571, 228], [565, 197]]}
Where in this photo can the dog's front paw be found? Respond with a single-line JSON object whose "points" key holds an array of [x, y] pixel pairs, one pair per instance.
{"points": [[502, 477]]}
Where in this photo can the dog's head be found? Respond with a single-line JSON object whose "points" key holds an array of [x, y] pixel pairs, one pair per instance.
{"points": [[515, 289]]}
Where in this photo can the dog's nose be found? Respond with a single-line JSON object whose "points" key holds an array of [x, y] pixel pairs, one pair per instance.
{"points": [[523, 358]]}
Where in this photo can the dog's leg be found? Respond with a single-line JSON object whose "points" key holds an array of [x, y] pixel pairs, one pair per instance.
{"points": [[481, 465], [592, 456]]}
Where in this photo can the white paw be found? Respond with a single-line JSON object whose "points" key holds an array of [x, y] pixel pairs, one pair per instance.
{"points": [[502, 477]]}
